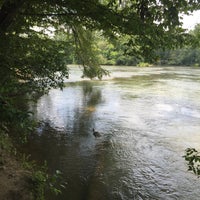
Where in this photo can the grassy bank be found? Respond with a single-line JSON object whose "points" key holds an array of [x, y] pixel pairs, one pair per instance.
{"points": [[15, 180], [23, 179]]}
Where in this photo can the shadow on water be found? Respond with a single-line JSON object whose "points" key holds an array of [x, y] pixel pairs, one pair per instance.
{"points": [[84, 115], [73, 149]]}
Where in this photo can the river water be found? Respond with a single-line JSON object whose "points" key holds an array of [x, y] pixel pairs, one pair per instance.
{"points": [[147, 117]]}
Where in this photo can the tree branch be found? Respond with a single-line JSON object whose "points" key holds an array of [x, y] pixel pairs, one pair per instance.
{"points": [[47, 14]]}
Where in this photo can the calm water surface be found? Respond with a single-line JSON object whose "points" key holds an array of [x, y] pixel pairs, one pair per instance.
{"points": [[147, 118]]}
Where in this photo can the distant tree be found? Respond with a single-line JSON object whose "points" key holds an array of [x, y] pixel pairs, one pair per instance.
{"points": [[196, 34], [187, 55]]}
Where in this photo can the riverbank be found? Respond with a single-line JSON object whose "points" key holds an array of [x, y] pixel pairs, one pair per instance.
{"points": [[23, 179], [15, 181]]}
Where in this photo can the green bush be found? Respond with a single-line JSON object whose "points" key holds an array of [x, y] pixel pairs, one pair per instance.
{"points": [[144, 64], [43, 182]]}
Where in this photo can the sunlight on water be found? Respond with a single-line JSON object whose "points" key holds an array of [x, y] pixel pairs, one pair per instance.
{"points": [[147, 118]]}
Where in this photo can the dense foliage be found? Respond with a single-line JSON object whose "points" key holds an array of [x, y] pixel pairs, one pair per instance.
{"points": [[112, 52], [188, 55]]}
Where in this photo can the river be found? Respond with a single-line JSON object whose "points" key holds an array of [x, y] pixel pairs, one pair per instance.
{"points": [[147, 117]]}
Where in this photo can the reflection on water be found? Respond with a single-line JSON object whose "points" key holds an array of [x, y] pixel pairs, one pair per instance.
{"points": [[147, 118]]}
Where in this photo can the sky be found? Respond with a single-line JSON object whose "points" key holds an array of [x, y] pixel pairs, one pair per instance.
{"points": [[189, 22]]}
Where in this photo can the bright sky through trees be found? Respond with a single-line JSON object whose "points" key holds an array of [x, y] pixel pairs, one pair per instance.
{"points": [[190, 21]]}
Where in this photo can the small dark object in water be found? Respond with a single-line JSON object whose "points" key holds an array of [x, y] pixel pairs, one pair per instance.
{"points": [[96, 133]]}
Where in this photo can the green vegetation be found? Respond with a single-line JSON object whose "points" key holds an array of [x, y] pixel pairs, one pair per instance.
{"points": [[192, 156], [143, 64], [188, 55], [41, 182], [38, 180], [112, 52], [5, 144]]}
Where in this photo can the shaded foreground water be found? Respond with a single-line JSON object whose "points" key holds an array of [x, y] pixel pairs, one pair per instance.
{"points": [[147, 118]]}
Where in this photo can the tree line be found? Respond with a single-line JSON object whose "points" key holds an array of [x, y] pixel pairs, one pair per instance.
{"points": [[112, 52], [187, 55]]}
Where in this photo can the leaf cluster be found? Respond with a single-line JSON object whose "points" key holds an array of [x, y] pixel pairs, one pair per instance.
{"points": [[192, 156], [43, 182]]}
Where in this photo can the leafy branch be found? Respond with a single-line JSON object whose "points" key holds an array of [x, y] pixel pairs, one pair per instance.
{"points": [[192, 156]]}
